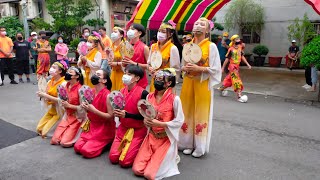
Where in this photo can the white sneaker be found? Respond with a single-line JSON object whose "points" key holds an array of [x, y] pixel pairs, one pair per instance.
{"points": [[196, 155], [187, 151], [306, 86], [224, 93], [243, 99]]}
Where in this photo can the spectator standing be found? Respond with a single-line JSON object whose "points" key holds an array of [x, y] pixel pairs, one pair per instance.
{"points": [[6, 47], [85, 34], [61, 49], [22, 50], [223, 47], [34, 51], [106, 41]]}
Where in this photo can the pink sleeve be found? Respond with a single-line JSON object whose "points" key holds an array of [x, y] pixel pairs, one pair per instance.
{"points": [[56, 49]]}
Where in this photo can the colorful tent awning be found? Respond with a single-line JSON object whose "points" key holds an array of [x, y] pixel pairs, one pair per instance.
{"points": [[315, 5], [151, 13]]}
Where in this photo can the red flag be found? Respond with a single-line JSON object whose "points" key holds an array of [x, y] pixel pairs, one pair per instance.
{"points": [[315, 5]]}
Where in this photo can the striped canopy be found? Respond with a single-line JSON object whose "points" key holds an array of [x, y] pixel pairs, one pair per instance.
{"points": [[151, 13], [315, 5]]}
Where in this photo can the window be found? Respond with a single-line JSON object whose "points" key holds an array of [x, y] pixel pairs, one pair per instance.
{"points": [[249, 36], [316, 26]]}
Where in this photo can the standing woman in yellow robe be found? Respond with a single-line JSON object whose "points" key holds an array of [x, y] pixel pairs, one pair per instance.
{"points": [[47, 122], [92, 61], [167, 45], [197, 93], [116, 72]]}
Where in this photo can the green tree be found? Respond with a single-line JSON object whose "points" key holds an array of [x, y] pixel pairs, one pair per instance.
{"points": [[311, 53], [39, 24], [12, 25], [245, 14], [68, 15], [301, 30]]}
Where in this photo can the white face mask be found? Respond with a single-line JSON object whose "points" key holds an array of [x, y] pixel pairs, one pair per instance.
{"points": [[86, 34], [198, 29], [4, 33], [114, 36], [126, 79], [161, 36], [89, 45], [52, 71], [35, 37], [130, 34]]}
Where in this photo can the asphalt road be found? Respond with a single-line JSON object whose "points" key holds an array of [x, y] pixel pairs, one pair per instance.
{"points": [[267, 138]]}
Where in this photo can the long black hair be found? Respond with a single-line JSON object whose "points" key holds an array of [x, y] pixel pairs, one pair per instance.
{"points": [[107, 77], [172, 34]]}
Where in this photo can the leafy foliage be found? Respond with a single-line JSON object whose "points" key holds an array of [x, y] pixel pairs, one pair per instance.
{"points": [[68, 15], [74, 43], [260, 50], [12, 25], [301, 30], [39, 24], [246, 14], [217, 25], [311, 53], [95, 22]]}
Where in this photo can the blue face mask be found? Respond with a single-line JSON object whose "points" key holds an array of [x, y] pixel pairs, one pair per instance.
{"points": [[60, 41]]}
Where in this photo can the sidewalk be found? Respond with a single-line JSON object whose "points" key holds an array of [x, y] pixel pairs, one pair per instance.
{"points": [[279, 82]]}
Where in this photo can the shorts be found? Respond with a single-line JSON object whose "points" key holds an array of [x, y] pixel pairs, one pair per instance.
{"points": [[23, 67]]}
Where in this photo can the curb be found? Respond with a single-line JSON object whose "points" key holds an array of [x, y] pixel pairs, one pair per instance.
{"points": [[312, 103]]}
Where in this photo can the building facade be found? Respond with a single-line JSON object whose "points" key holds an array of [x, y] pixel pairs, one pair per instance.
{"points": [[114, 12], [278, 16]]}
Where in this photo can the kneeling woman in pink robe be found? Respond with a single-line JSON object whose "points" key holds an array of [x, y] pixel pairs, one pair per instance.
{"points": [[156, 158], [68, 130], [102, 126], [131, 132]]}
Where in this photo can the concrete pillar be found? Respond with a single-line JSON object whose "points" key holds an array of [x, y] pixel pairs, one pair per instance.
{"points": [[106, 10]]}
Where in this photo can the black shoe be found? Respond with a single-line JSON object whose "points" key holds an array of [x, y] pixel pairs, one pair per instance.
{"points": [[28, 80], [21, 81], [13, 82], [1, 84]]}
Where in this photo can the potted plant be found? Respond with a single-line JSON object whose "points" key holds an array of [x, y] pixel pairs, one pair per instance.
{"points": [[248, 58], [261, 51], [275, 61]]}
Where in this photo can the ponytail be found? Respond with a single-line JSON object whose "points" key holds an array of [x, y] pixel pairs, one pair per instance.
{"points": [[107, 77]]}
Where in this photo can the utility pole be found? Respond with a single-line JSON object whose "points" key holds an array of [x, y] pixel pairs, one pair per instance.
{"points": [[24, 7]]}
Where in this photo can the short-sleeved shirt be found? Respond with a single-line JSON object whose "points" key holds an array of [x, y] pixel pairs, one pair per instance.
{"points": [[61, 48], [22, 50], [5, 45], [222, 50], [106, 41], [293, 49], [33, 44]]}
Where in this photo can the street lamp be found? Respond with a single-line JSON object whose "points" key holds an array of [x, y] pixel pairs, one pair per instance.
{"points": [[24, 5]]}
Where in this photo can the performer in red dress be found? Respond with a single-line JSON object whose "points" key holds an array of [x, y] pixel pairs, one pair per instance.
{"points": [[102, 125], [131, 131]]}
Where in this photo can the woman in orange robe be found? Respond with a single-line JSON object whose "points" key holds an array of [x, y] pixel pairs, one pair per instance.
{"points": [[156, 158], [116, 72], [68, 129], [91, 62], [101, 122], [166, 36], [47, 122]]}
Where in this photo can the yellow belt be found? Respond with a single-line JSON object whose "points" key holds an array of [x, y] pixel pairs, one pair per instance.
{"points": [[125, 143]]}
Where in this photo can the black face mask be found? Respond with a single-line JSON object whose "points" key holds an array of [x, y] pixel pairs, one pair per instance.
{"points": [[188, 40], [43, 37], [237, 43], [20, 38], [95, 79], [67, 77], [159, 85]]}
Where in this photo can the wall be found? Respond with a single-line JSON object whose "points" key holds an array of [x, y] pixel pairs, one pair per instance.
{"points": [[278, 16]]}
